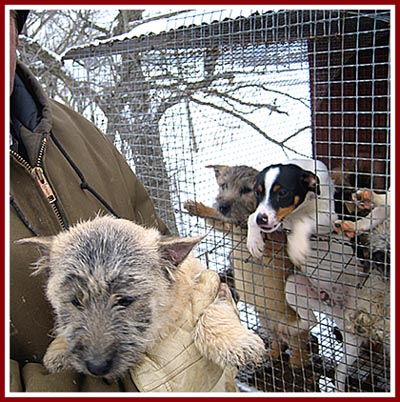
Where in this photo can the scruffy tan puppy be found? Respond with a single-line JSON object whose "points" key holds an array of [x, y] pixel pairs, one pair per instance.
{"points": [[371, 317], [368, 321], [117, 288], [259, 283]]}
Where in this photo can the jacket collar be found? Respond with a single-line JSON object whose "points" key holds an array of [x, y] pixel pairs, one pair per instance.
{"points": [[30, 114]]}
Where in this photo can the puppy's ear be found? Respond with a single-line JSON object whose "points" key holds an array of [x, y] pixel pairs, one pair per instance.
{"points": [[43, 242], [218, 169], [311, 182], [44, 245], [177, 249]]}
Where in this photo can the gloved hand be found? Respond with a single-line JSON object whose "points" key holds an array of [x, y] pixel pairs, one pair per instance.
{"points": [[207, 345]]}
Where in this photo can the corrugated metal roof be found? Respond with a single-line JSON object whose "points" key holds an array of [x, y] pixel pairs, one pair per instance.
{"points": [[266, 27]]}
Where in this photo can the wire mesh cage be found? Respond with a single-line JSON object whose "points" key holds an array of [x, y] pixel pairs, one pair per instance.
{"points": [[199, 106]]}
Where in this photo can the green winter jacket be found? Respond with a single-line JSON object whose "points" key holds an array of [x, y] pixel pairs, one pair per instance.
{"points": [[69, 171]]}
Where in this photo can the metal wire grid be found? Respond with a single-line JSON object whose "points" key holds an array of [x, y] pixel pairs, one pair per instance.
{"points": [[252, 88]]}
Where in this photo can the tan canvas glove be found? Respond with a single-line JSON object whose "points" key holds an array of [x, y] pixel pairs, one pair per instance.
{"points": [[203, 351], [174, 364]]}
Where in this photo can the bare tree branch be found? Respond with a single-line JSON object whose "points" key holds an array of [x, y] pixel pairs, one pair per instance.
{"points": [[271, 107], [249, 123], [300, 130], [269, 90]]}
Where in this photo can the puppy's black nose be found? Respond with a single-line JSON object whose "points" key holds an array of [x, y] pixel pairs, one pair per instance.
{"points": [[224, 208], [99, 367], [262, 219]]}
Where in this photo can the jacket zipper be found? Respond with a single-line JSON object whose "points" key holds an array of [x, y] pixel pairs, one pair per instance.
{"points": [[37, 173]]}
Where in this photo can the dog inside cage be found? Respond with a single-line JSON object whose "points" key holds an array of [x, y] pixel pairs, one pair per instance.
{"points": [[269, 131]]}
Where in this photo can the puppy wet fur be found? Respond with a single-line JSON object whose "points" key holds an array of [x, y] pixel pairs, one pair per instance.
{"points": [[371, 232], [296, 195], [117, 288], [378, 207], [259, 283]]}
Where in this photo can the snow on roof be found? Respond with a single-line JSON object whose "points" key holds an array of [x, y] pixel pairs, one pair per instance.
{"points": [[174, 19]]}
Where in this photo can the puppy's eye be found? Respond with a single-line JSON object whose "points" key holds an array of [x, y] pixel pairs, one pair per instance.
{"points": [[76, 303], [245, 190], [125, 301], [224, 186], [282, 193]]}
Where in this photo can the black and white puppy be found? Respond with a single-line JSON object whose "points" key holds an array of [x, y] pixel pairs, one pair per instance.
{"points": [[296, 195]]}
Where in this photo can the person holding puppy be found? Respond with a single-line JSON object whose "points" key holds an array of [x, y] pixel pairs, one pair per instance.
{"points": [[64, 170]]}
